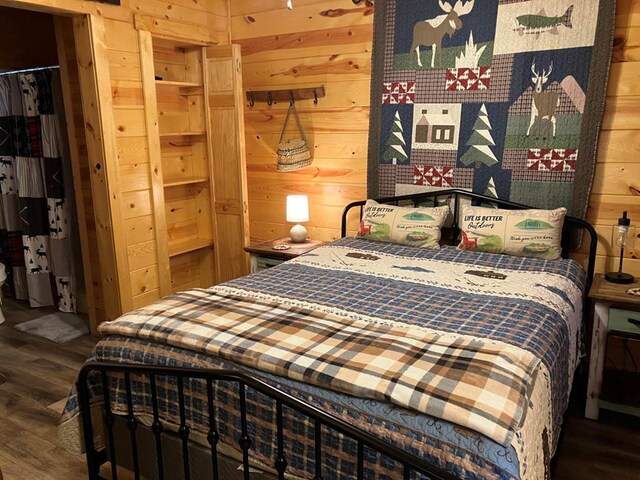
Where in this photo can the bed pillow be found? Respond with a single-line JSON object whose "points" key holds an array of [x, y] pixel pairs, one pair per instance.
{"points": [[416, 227], [526, 233]]}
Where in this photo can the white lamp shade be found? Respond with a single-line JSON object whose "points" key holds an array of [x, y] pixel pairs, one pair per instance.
{"points": [[297, 208]]}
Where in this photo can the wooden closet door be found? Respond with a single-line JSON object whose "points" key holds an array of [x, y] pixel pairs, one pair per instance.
{"points": [[228, 160]]}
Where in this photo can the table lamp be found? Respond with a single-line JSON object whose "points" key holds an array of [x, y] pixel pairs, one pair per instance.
{"points": [[297, 212], [622, 239]]}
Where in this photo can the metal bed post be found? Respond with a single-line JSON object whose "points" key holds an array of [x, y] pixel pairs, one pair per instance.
{"points": [[156, 427], [213, 437], [245, 440], [109, 421], [132, 424], [183, 431], [93, 458]]}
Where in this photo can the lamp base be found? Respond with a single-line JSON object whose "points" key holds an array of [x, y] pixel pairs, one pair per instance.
{"points": [[298, 234], [619, 277]]}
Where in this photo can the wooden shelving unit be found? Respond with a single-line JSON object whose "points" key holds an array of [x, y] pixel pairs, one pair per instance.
{"points": [[183, 180], [188, 246], [195, 129]]}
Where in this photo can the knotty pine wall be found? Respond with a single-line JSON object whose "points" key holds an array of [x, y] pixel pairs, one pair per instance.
{"points": [[202, 20], [65, 43], [318, 42], [329, 42], [616, 185]]}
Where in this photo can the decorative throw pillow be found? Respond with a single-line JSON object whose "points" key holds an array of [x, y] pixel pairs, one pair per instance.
{"points": [[417, 227], [526, 233]]}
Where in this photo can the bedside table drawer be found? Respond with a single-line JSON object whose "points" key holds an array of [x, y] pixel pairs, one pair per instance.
{"points": [[264, 263], [619, 321]]}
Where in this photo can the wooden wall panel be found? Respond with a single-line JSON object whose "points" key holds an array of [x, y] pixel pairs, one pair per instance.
{"points": [[201, 20], [93, 68], [330, 42], [223, 86], [70, 79], [616, 186], [318, 42]]}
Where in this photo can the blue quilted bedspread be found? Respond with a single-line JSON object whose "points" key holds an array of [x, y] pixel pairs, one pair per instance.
{"points": [[396, 296]]}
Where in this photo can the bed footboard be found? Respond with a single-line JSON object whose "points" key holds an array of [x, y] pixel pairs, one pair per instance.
{"points": [[100, 373]]}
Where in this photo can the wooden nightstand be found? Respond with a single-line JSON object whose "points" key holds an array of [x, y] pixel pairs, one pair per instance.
{"points": [[608, 319], [263, 255]]}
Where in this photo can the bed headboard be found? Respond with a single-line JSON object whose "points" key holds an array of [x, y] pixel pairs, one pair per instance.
{"points": [[572, 233]]}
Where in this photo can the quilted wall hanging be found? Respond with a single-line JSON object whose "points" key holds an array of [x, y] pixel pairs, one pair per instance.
{"points": [[500, 97]]}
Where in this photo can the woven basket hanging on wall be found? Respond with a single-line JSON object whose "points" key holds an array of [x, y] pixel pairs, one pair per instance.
{"points": [[293, 153]]}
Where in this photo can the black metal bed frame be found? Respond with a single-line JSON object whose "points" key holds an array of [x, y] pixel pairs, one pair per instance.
{"points": [[319, 418], [569, 237], [95, 458]]}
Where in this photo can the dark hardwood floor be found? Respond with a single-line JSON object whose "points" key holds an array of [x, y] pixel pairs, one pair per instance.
{"points": [[606, 449], [39, 374]]}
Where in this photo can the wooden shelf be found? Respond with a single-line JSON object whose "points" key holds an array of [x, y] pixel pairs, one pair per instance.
{"points": [[173, 83], [620, 408], [182, 134], [187, 163], [187, 246], [185, 181]]}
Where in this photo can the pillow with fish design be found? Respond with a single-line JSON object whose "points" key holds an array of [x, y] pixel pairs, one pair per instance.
{"points": [[524, 233], [416, 227]]}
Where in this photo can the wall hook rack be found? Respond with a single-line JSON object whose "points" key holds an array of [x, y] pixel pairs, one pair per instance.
{"points": [[272, 97]]}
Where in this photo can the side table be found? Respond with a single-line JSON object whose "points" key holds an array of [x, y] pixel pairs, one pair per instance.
{"points": [[263, 255], [607, 295]]}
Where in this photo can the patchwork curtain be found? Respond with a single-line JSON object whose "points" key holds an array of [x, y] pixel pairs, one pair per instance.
{"points": [[34, 212]]}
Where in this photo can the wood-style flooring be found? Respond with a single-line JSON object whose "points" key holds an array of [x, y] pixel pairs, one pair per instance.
{"points": [[39, 374]]}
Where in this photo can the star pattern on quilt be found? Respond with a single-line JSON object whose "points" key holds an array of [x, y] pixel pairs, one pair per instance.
{"points": [[399, 93], [462, 79], [433, 176], [552, 159]]}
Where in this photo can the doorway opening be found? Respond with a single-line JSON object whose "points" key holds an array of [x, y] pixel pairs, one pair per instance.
{"points": [[46, 210]]}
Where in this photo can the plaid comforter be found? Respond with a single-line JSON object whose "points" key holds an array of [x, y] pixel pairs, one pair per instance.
{"points": [[486, 341], [480, 385]]}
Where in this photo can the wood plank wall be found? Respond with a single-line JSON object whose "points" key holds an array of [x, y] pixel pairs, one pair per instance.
{"points": [[318, 42], [329, 42], [81, 167], [200, 19], [616, 186]]}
